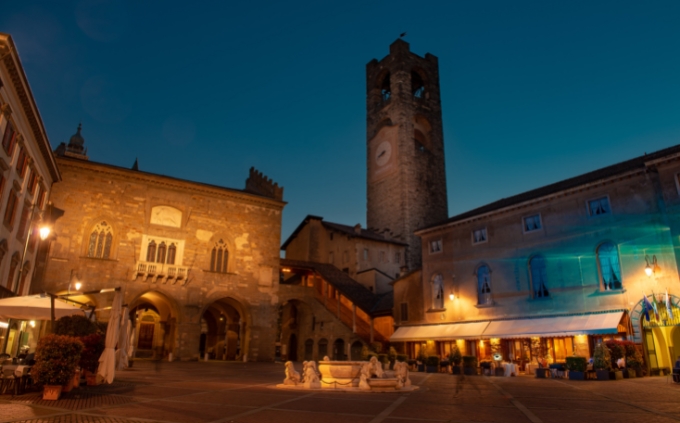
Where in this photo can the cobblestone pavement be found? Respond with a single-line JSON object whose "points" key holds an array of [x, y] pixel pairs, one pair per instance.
{"points": [[219, 392]]}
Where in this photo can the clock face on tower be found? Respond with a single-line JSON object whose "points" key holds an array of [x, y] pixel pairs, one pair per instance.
{"points": [[383, 153]]}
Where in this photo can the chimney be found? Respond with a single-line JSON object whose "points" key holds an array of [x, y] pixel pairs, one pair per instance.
{"points": [[357, 229]]}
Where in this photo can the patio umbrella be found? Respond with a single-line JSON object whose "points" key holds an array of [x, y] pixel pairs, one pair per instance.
{"points": [[122, 351], [107, 361], [35, 307]]}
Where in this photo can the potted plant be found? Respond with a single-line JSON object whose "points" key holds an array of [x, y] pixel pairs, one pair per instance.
{"points": [[392, 357], [89, 358], [56, 358], [469, 365], [455, 358], [602, 362], [420, 360], [577, 367], [616, 352], [432, 364]]}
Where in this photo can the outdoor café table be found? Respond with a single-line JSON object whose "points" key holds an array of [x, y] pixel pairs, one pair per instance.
{"points": [[21, 372], [509, 369]]}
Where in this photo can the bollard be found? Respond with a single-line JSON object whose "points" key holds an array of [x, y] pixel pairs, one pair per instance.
{"points": [[206, 357], [170, 357]]}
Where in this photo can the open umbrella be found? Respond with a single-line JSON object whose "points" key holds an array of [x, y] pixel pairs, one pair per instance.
{"points": [[107, 361], [35, 307], [122, 351]]}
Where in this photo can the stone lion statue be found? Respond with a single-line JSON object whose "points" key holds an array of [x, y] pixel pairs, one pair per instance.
{"points": [[401, 373], [377, 367], [292, 376], [365, 374], [311, 375]]}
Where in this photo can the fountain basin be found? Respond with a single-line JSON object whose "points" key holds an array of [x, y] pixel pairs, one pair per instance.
{"points": [[338, 374]]}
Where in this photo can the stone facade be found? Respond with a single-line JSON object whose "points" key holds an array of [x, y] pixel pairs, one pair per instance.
{"points": [[623, 217], [406, 175], [370, 259], [197, 264]]}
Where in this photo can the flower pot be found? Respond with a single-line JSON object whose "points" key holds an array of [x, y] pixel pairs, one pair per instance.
{"points": [[629, 374], [499, 371], [76, 379], [431, 369], [602, 374], [616, 375], [90, 378], [456, 370], [574, 375], [51, 392]]}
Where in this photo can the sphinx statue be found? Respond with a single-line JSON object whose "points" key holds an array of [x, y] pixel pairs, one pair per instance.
{"points": [[292, 376], [401, 372], [311, 375], [377, 368], [364, 375]]}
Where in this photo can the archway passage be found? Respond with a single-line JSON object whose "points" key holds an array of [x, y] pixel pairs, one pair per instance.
{"points": [[223, 330], [155, 321]]}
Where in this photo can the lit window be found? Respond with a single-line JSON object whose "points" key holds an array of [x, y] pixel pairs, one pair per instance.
{"points": [[438, 292], [484, 285], [599, 207], [532, 223], [610, 271], [539, 277], [436, 246], [479, 236]]}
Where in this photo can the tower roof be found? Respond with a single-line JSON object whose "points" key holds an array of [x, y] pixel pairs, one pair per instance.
{"points": [[77, 139]]}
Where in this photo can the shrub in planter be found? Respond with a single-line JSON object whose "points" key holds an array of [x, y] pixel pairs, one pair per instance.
{"points": [[616, 351], [432, 364], [577, 367], [93, 347], [469, 365], [602, 361], [75, 326], [455, 358], [383, 359], [402, 357], [392, 356], [56, 358]]}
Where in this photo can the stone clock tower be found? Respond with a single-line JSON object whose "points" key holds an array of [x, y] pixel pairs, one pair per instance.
{"points": [[405, 144]]}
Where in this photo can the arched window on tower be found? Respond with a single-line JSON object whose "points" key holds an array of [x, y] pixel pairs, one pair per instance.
{"points": [[610, 271], [385, 89], [101, 239], [417, 85], [539, 277], [484, 285], [219, 257]]}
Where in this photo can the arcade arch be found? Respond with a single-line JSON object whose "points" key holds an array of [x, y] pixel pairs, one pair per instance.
{"points": [[225, 330], [154, 317]]}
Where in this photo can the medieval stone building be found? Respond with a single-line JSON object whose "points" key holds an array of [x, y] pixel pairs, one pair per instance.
{"points": [[197, 264]]}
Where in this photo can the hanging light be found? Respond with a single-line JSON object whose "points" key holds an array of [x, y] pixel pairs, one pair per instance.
{"points": [[653, 268]]}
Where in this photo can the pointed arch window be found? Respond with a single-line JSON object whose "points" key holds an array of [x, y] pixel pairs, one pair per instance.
{"points": [[172, 252], [219, 257], [539, 278], [417, 85], [484, 285], [162, 250], [101, 239], [385, 89], [151, 251], [438, 292], [610, 270]]}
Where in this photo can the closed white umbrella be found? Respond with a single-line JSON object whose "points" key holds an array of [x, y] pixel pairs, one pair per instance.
{"points": [[122, 351], [107, 362]]}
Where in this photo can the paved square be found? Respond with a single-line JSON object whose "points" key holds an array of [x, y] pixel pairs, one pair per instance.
{"points": [[219, 392]]}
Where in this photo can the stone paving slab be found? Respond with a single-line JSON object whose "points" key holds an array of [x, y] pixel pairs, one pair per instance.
{"points": [[216, 392]]}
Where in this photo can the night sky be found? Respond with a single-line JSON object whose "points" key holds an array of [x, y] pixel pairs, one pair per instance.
{"points": [[533, 92]]}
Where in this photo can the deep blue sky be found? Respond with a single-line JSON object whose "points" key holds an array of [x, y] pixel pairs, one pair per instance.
{"points": [[532, 91]]}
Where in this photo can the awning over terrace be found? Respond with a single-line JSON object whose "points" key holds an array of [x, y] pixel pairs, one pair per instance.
{"points": [[555, 326]]}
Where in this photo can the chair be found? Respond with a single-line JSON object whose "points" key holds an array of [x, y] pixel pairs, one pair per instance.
{"points": [[9, 381]]}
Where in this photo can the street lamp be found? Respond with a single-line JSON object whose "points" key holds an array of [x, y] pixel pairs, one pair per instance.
{"points": [[44, 232]]}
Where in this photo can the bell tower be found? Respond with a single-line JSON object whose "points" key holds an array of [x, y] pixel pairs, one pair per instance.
{"points": [[406, 175]]}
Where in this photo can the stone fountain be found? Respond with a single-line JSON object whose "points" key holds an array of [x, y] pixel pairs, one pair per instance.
{"points": [[360, 376]]}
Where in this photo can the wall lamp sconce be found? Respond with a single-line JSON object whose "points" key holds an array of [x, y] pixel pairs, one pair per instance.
{"points": [[451, 296], [653, 268]]}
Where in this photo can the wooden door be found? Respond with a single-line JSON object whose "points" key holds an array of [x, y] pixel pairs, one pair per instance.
{"points": [[145, 336]]}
